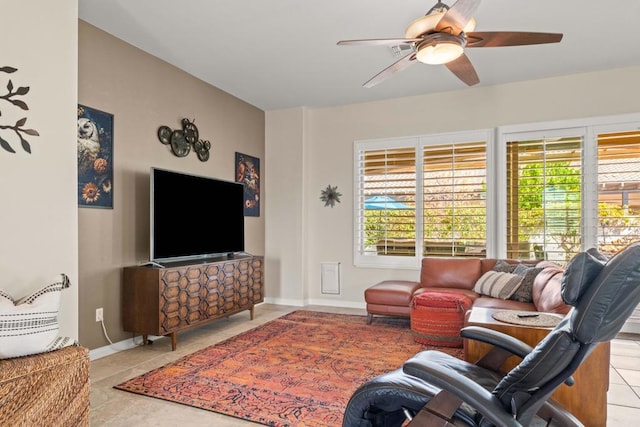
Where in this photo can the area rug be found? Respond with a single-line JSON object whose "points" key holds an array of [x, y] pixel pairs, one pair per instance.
{"points": [[298, 370]]}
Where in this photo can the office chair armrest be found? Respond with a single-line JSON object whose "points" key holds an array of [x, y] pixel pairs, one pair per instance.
{"points": [[498, 339], [464, 388], [503, 341]]}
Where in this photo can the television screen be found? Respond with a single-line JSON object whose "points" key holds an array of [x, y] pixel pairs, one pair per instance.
{"points": [[194, 216]]}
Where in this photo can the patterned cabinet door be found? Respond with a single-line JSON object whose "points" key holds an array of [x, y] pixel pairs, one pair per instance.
{"points": [[212, 301], [243, 288], [180, 298], [256, 279]]}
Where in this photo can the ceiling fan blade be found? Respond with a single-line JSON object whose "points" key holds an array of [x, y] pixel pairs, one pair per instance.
{"points": [[510, 38], [458, 16], [397, 66], [463, 69], [378, 42]]}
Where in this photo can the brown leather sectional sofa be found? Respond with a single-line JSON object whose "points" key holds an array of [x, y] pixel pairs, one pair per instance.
{"points": [[393, 297]]}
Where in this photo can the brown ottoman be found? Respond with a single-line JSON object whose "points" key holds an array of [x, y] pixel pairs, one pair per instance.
{"points": [[390, 298], [437, 317]]}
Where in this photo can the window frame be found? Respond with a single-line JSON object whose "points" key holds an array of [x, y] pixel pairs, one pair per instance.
{"points": [[417, 143], [588, 129], [496, 152]]}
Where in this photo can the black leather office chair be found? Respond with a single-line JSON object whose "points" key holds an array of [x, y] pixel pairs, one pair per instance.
{"points": [[434, 388]]}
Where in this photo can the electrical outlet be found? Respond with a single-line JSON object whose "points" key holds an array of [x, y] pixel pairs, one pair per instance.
{"points": [[99, 317]]}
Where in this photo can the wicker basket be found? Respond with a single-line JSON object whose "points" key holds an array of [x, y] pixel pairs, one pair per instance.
{"points": [[46, 389]]}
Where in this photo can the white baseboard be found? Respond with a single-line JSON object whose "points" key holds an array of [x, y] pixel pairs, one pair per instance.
{"points": [[108, 350], [285, 301], [337, 303], [329, 302]]}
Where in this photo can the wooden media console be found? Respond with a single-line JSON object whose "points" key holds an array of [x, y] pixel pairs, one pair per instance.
{"points": [[164, 301]]}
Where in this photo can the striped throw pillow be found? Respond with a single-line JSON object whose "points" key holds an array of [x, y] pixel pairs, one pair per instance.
{"points": [[498, 284], [30, 324]]}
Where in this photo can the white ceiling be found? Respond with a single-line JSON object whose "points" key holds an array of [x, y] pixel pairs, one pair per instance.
{"points": [[278, 54]]}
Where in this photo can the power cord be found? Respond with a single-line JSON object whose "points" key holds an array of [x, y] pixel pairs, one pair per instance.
{"points": [[106, 335], [104, 329]]}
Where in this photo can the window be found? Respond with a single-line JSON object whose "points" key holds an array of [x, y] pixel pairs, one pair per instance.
{"points": [[569, 186], [454, 194], [544, 189], [618, 193], [387, 201], [420, 196]]}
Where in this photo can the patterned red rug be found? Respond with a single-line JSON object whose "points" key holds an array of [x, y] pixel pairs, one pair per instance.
{"points": [[298, 370]]}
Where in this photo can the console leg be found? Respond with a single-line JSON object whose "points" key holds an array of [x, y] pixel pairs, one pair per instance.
{"points": [[144, 339], [251, 312], [174, 341]]}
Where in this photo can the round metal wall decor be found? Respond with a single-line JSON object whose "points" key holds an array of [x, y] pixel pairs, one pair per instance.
{"points": [[164, 134], [181, 140], [179, 144]]}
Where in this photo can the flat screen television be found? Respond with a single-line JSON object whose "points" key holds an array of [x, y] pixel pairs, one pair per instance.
{"points": [[194, 217]]}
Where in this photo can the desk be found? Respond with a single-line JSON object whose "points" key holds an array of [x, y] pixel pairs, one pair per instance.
{"points": [[586, 399]]}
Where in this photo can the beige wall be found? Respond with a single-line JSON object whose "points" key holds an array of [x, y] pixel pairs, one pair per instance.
{"points": [[38, 216], [143, 93], [328, 159], [285, 228]]}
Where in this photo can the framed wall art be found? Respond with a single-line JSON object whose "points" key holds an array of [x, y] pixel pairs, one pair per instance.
{"points": [[95, 158], [248, 173]]}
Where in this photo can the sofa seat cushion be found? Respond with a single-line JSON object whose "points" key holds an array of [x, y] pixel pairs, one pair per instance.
{"points": [[391, 293], [490, 302]]}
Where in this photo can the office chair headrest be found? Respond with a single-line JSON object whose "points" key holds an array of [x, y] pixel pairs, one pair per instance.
{"points": [[604, 304], [580, 273]]}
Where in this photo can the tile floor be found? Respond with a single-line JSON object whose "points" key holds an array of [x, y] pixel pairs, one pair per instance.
{"points": [[110, 407]]}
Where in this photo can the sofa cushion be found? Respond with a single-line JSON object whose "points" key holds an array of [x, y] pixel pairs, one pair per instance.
{"points": [[528, 273], [504, 266], [546, 291], [30, 325], [498, 284], [462, 273], [581, 271]]}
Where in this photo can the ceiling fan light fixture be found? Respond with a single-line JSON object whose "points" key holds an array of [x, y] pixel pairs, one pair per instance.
{"points": [[440, 49], [471, 25]]}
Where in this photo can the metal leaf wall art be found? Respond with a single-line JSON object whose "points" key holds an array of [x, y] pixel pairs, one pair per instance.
{"points": [[12, 96]]}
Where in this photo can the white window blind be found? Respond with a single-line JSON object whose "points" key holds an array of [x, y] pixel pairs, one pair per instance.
{"points": [[544, 188], [618, 190], [454, 194], [386, 223]]}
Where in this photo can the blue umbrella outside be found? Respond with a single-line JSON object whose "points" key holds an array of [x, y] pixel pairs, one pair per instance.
{"points": [[383, 202]]}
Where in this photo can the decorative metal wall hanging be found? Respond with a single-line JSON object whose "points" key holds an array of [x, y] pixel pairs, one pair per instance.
{"points": [[330, 195], [181, 140], [95, 158], [18, 127]]}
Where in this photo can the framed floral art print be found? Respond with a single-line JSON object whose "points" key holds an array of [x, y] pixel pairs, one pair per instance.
{"points": [[95, 158], [248, 173]]}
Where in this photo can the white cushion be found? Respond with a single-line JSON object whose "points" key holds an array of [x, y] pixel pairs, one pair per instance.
{"points": [[498, 284], [30, 324]]}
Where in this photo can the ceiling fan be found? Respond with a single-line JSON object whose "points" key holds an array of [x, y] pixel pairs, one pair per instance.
{"points": [[441, 36]]}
